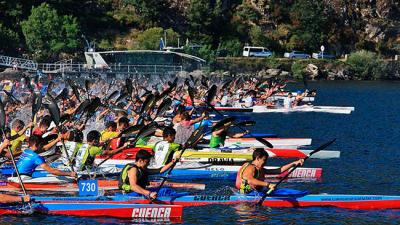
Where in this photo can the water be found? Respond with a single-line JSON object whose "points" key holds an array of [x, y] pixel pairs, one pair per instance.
{"points": [[369, 141]]}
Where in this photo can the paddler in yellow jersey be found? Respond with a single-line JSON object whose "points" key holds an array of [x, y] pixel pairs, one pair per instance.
{"points": [[134, 177], [164, 151], [109, 132], [218, 136], [251, 176]]}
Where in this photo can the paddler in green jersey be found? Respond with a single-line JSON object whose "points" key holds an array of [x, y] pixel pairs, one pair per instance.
{"points": [[164, 151], [218, 136], [85, 153], [134, 177], [251, 176]]}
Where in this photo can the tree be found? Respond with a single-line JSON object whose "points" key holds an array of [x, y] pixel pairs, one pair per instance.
{"points": [[150, 38], [310, 22], [152, 12], [47, 34], [9, 40]]}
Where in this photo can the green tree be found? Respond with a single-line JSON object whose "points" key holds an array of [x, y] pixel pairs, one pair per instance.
{"points": [[47, 34], [367, 65], [310, 23], [9, 40], [150, 38], [152, 12]]}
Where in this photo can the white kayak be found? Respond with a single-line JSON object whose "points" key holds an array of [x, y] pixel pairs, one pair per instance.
{"points": [[303, 108], [252, 142]]}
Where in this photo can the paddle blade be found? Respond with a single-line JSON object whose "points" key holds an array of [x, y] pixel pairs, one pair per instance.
{"points": [[112, 96], [223, 123], [203, 81], [147, 130], [128, 86], [226, 84], [2, 116], [82, 107], [92, 107], [246, 123], [148, 103], [36, 103], [87, 85], [264, 142], [74, 88], [54, 111], [195, 137], [164, 106], [191, 94], [211, 94], [130, 130], [321, 147], [63, 95], [50, 86]]}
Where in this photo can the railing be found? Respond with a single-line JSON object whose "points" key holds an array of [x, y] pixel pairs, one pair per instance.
{"points": [[18, 63], [114, 68]]}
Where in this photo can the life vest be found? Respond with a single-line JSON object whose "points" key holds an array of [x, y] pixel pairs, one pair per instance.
{"points": [[162, 153], [85, 156], [242, 184], [123, 181], [217, 141]]}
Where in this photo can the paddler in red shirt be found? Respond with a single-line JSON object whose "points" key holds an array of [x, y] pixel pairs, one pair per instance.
{"points": [[251, 176]]}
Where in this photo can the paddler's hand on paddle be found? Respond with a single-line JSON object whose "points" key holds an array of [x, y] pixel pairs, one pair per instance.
{"points": [[271, 186], [299, 162], [152, 195]]}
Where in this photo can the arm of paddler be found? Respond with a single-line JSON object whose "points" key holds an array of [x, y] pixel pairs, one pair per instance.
{"points": [[109, 152], [56, 171], [102, 114], [290, 165], [52, 143]]}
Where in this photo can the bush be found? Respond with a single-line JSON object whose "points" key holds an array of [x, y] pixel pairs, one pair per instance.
{"points": [[297, 70], [367, 65], [8, 40]]}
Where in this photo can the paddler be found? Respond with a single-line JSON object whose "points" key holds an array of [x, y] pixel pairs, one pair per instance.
{"points": [[219, 135], [164, 151], [84, 154], [109, 132], [29, 160], [251, 176], [134, 177]]}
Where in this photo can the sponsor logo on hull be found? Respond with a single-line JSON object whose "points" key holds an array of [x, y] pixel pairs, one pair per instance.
{"points": [[151, 212]]}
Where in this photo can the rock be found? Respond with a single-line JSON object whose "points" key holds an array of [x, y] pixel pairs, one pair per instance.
{"points": [[312, 71], [273, 72]]}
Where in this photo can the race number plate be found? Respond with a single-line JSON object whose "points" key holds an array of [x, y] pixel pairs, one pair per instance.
{"points": [[88, 187]]}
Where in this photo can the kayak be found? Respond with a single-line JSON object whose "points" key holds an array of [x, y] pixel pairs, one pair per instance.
{"points": [[303, 108], [357, 202], [217, 172], [104, 185], [96, 208], [230, 172], [248, 154], [252, 142]]}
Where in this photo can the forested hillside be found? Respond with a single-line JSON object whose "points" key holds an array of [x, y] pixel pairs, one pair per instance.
{"points": [[52, 30]]}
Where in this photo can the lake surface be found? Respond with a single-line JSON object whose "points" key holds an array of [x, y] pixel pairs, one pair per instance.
{"points": [[369, 140]]}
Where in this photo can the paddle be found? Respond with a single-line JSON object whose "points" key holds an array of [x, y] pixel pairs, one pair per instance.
{"points": [[163, 107], [246, 123], [2, 127], [55, 115], [36, 105], [144, 132], [210, 97], [293, 168], [87, 87], [196, 136], [147, 104], [74, 88]]}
